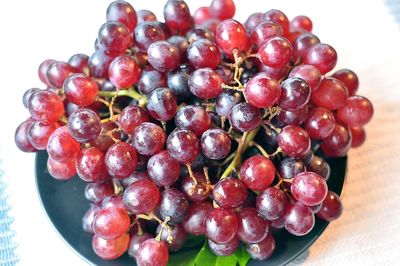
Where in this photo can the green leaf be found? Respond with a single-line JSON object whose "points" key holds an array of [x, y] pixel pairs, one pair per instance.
{"points": [[226, 261], [205, 257], [185, 257], [242, 256]]}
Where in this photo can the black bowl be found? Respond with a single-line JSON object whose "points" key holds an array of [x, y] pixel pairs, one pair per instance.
{"points": [[65, 204]]}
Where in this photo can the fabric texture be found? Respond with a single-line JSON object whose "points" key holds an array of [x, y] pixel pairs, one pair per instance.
{"points": [[8, 247]]}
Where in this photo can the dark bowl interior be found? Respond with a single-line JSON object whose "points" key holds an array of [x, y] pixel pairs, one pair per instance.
{"points": [[65, 204]]}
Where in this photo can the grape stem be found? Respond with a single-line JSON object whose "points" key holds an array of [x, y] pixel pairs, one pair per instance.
{"points": [[263, 151], [244, 143], [164, 224], [131, 92], [63, 119]]}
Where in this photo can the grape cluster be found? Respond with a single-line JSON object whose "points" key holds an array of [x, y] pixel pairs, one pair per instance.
{"points": [[198, 125]]}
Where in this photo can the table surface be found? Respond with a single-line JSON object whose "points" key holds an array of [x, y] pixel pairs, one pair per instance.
{"points": [[367, 38]]}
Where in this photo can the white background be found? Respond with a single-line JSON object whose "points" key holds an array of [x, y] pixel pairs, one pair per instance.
{"points": [[367, 40]]}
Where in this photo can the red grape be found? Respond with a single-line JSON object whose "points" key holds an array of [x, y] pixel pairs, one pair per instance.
{"points": [[331, 208], [296, 117], [201, 15], [358, 136], [183, 145], [319, 166], [28, 93], [257, 173], [290, 167], [80, 62], [61, 171], [264, 30], [163, 56], [178, 235], [294, 141], [252, 228], [275, 52], [45, 106], [84, 125], [215, 144], [131, 117], [152, 253], [87, 219], [177, 16], [58, 72], [349, 79], [299, 219], [309, 74], [301, 23], [163, 169], [253, 20], [81, 90], [331, 93], [309, 188], [39, 133], [203, 53], [104, 141], [195, 192], [148, 139], [196, 216], [221, 225], [193, 118], [231, 35], [229, 193], [121, 160], [161, 104], [136, 241], [295, 94], [322, 56], [115, 201], [97, 192], [147, 33], [226, 100], [178, 82], [222, 9], [271, 203], [224, 249], [114, 37], [320, 123], [145, 15], [262, 92], [151, 79], [42, 71], [357, 111], [279, 17], [99, 63], [205, 83], [244, 117], [262, 250], [173, 204], [124, 71], [338, 143], [61, 146], [111, 223], [91, 166], [141, 197], [110, 249], [123, 12]]}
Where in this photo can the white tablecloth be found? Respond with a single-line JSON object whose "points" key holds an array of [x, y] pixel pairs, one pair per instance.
{"points": [[367, 39]]}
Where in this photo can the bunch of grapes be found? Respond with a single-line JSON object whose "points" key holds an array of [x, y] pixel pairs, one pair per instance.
{"points": [[199, 125]]}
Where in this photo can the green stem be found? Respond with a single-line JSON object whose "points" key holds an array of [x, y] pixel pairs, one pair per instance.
{"points": [[129, 92], [247, 138]]}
